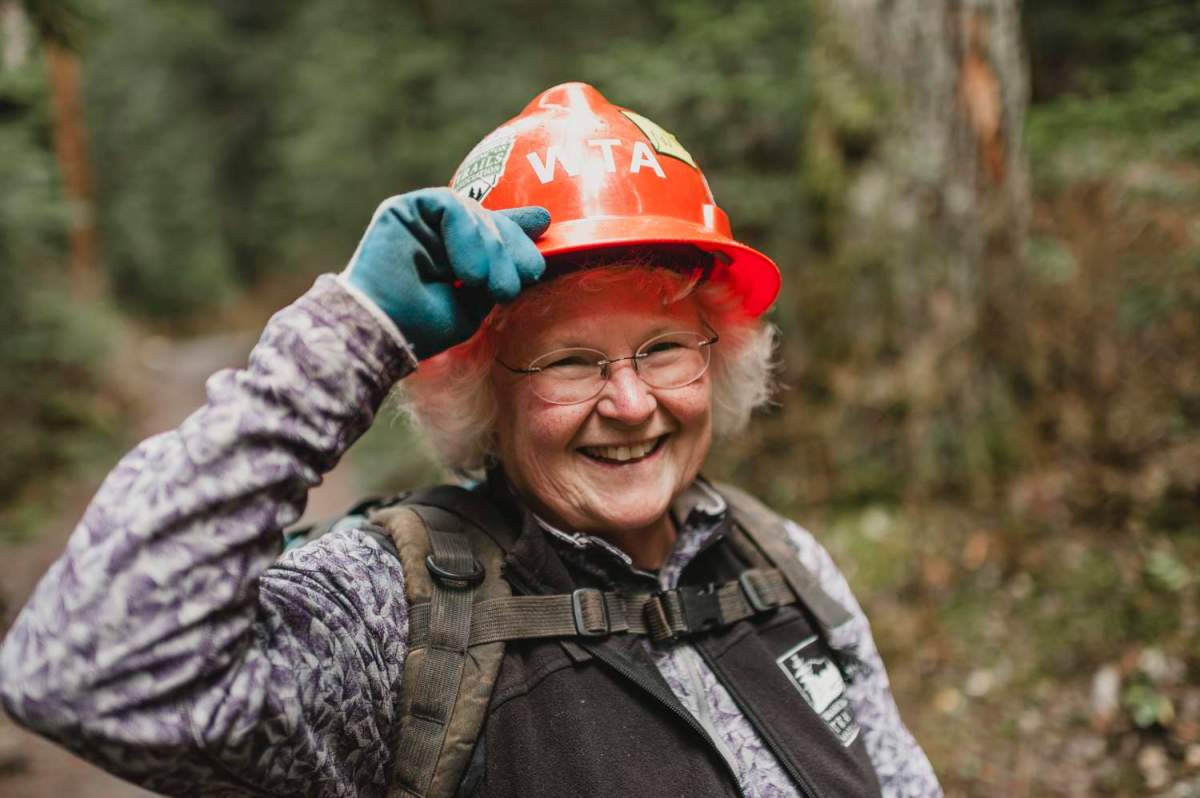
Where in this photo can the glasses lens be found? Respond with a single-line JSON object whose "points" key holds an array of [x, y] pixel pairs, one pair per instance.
{"points": [[673, 360], [567, 376]]}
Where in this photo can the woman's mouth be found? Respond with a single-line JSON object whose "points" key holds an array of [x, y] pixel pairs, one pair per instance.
{"points": [[624, 454]]}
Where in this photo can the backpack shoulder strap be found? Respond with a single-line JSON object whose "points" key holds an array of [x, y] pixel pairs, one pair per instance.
{"points": [[450, 564], [472, 507], [766, 530]]}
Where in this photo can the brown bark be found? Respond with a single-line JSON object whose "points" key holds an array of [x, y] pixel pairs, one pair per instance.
{"points": [[941, 203], [70, 146], [955, 188]]}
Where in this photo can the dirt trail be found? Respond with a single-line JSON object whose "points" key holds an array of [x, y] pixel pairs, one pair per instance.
{"points": [[165, 380]]}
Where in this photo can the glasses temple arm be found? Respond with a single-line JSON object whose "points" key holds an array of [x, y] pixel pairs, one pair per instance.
{"points": [[516, 370]]}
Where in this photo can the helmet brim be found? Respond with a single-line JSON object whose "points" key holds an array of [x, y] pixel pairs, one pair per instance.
{"points": [[751, 275]]}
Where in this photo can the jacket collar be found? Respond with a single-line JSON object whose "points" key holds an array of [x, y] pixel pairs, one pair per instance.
{"points": [[699, 512]]}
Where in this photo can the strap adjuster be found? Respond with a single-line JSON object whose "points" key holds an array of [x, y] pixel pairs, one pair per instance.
{"points": [[659, 616], [701, 608], [593, 597], [752, 592], [684, 611], [454, 578]]}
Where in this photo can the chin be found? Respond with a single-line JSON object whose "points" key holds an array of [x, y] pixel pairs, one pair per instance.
{"points": [[631, 516]]}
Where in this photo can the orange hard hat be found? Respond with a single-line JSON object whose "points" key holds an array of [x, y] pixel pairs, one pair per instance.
{"points": [[610, 178]]}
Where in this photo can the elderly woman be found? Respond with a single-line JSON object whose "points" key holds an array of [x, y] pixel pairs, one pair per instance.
{"points": [[590, 617]]}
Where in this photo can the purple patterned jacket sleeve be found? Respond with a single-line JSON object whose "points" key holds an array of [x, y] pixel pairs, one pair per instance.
{"points": [[168, 645]]}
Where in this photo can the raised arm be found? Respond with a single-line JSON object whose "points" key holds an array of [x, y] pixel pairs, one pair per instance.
{"points": [[153, 623], [166, 644]]}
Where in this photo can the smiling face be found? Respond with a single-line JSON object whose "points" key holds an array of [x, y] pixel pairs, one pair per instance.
{"points": [[611, 465]]}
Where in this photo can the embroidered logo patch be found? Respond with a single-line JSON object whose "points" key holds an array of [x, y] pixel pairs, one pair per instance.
{"points": [[482, 169], [820, 682]]}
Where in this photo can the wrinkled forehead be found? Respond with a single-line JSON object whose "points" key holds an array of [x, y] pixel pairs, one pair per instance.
{"points": [[612, 317]]}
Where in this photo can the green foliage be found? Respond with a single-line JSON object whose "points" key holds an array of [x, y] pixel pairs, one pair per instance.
{"points": [[59, 21], [1125, 72], [1102, 47], [1165, 571], [233, 142], [54, 414], [173, 138], [1147, 706]]}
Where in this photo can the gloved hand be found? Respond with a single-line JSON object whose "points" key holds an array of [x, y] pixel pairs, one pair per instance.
{"points": [[420, 244]]}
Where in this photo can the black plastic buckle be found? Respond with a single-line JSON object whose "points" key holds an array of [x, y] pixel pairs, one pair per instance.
{"points": [[453, 578], [701, 608], [760, 604], [581, 628]]}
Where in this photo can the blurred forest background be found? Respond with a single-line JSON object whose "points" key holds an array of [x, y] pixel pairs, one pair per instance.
{"points": [[987, 218]]}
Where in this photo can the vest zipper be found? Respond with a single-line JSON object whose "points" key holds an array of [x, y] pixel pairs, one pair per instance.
{"points": [[656, 691], [801, 781], [685, 658]]}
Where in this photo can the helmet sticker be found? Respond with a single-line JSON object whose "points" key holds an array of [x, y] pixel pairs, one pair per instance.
{"points": [[482, 169], [663, 141], [820, 682]]}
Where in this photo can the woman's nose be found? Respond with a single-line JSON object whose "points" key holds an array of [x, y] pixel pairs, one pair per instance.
{"points": [[625, 397]]}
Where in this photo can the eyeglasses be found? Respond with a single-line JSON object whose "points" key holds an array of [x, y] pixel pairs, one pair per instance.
{"points": [[574, 375]]}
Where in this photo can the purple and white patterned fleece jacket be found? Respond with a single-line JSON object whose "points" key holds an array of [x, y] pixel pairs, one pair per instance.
{"points": [[172, 645]]}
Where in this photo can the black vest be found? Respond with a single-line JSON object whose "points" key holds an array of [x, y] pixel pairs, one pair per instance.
{"points": [[596, 718]]}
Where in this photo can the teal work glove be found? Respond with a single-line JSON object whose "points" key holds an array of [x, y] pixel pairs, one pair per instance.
{"points": [[421, 245]]}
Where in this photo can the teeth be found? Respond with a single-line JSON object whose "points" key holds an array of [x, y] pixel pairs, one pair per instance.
{"points": [[622, 453]]}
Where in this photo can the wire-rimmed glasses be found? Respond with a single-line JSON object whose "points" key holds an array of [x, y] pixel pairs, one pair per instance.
{"points": [[576, 374]]}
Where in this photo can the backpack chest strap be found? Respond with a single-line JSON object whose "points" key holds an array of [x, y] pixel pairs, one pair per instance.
{"points": [[588, 612]]}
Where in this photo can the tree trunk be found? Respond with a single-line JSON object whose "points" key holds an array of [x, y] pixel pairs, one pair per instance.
{"points": [[70, 146], [940, 201], [957, 188]]}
